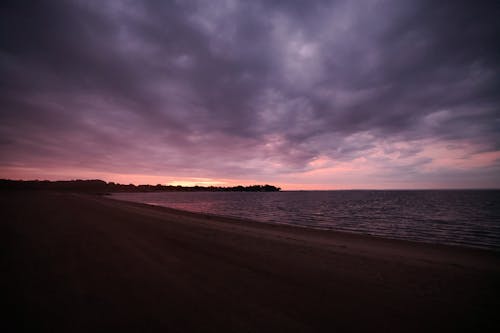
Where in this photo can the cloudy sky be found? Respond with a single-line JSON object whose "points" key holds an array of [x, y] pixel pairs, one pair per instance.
{"points": [[299, 94]]}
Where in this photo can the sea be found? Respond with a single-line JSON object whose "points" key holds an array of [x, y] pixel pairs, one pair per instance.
{"points": [[455, 217]]}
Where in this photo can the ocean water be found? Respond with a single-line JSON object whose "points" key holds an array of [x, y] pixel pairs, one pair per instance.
{"points": [[457, 217]]}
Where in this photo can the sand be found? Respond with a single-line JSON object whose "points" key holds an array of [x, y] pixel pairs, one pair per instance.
{"points": [[82, 263]]}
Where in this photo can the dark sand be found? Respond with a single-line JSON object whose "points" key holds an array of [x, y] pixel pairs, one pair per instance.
{"points": [[78, 263]]}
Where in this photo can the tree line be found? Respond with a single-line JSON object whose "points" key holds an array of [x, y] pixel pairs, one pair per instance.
{"points": [[100, 186]]}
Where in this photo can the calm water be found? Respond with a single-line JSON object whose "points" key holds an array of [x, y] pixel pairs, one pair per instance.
{"points": [[470, 218]]}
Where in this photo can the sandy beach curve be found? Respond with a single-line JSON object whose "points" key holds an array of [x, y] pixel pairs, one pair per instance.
{"points": [[79, 263]]}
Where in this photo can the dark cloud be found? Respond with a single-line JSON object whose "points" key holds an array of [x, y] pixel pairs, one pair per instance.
{"points": [[242, 89]]}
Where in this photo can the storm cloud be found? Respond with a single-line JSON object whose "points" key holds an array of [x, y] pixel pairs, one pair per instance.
{"points": [[302, 93]]}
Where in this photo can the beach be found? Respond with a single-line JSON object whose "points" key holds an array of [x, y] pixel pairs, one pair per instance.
{"points": [[79, 263]]}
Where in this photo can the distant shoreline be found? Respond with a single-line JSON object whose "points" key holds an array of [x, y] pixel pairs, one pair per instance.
{"points": [[100, 186]]}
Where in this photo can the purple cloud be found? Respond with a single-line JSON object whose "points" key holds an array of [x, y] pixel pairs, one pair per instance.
{"points": [[259, 90]]}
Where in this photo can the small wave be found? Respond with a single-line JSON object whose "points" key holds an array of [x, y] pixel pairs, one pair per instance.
{"points": [[465, 218]]}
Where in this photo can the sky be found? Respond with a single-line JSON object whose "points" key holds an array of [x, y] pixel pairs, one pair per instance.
{"points": [[382, 94]]}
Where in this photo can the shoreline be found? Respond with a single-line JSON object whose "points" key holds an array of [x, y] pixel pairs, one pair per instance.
{"points": [[311, 227], [335, 238], [77, 262]]}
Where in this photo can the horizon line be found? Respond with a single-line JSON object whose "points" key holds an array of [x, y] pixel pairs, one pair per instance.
{"points": [[279, 186]]}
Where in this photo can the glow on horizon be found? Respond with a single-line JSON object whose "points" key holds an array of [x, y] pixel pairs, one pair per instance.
{"points": [[363, 182], [26, 173], [386, 165]]}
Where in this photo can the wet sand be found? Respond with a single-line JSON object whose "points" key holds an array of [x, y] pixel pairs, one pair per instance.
{"points": [[82, 263]]}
